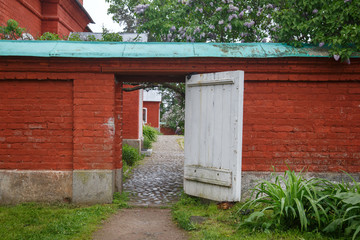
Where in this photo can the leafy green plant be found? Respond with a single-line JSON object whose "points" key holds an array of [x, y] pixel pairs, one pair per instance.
{"points": [[11, 31], [346, 211], [108, 36], [292, 199], [130, 155], [147, 144], [48, 36], [150, 132]]}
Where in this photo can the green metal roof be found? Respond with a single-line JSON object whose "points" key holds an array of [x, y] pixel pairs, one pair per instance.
{"points": [[70, 49]]}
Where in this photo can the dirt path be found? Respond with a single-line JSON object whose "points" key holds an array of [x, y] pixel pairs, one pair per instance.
{"points": [[141, 224], [155, 183]]}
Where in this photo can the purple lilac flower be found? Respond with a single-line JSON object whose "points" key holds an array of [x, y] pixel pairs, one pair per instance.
{"points": [[264, 40], [197, 30], [201, 10], [249, 24], [321, 44], [345, 1], [221, 22], [218, 9], [140, 9], [248, 7], [269, 6], [232, 16], [268, 16], [225, 29], [315, 11], [258, 13], [336, 57], [211, 4], [202, 35], [229, 26], [211, 26], [232, 8], [173, 29], [241, 14]]}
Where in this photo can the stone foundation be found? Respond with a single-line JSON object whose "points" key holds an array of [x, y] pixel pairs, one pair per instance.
{"points": [[93, 186], [30, 185]]}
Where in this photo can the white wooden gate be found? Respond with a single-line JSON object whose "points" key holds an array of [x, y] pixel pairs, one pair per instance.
{"points": [[213, 135]]}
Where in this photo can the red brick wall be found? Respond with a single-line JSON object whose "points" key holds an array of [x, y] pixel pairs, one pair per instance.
{"points": [[59, 124], [315, 125], [167, 131], [118, 125], [36, 122], [131, 114], [94, 121], [153, 113]]}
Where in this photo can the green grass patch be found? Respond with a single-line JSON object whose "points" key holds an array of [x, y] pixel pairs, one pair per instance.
{"points": [[224, 224], [32, 221]]}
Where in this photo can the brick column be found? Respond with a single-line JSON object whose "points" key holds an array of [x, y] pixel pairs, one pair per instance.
{"points": [[94, 134]]}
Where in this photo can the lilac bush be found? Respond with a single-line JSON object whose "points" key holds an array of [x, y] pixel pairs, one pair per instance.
{"points": [[333, 25]]}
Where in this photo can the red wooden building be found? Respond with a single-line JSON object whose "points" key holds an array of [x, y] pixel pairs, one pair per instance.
{"points": [[151, 108], [61, 109], [39, 16]]}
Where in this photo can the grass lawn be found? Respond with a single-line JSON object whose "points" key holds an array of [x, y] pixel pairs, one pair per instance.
{"points": [[223, 224], [49, 221]]}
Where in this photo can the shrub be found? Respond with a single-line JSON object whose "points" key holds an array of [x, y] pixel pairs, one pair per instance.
{"points": [[147, 142], [130, 155], [150, 132], [11, 31], [48, 36]]}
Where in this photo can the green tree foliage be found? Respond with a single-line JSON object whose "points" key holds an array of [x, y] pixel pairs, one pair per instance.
{"points": [[172, 108], [334, 24]]}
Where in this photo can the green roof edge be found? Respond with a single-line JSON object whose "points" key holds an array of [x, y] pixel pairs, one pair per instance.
{"points": [[70, 49]]}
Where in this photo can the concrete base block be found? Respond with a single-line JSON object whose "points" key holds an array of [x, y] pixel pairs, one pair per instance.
{"points": [[93, 186], [250, 179], [136, 143], [39, 186], [118, 180]]}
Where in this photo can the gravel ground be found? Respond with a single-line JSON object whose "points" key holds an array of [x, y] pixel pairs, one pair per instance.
{"points": [[158, 181]]}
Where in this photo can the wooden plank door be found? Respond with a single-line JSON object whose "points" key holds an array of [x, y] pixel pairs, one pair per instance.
{"points": [[213, 135]]}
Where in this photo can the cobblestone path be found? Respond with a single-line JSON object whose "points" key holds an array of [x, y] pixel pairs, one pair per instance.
{"points": [[158, 181]]}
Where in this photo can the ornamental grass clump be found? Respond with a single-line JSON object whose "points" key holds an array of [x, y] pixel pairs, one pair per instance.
{"points": [[290, 201]]}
